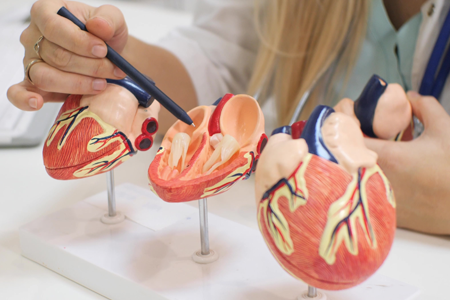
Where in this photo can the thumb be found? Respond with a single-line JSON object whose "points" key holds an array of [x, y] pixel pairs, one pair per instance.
{"points": [[428, 110], [391, 155], [107, 22], [377, 145]]}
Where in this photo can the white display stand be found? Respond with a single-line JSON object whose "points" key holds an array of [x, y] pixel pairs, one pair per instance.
{"points": [[148, 256]]}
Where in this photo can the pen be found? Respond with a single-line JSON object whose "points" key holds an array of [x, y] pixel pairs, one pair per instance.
{"points": [[134, 74]]}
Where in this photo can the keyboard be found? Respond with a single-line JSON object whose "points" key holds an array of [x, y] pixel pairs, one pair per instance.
{"points": [[11, 71], [17, 127]]}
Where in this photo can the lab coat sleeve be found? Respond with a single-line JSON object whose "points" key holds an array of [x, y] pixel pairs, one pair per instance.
{"points": [[219, 49]]}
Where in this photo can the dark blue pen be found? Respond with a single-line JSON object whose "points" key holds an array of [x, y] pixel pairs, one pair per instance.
{"points": [[134, 74]]}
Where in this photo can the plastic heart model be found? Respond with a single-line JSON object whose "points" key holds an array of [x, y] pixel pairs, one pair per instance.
{"points": [[325, 208], [94, 134], [195, 163], [382, 109]]}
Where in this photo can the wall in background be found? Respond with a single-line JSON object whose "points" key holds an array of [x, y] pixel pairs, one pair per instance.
{"points": [[184, 5], [181, 5]]}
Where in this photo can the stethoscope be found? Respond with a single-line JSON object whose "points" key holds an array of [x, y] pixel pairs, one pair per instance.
{"points": [[438, 66], [433, 81]]}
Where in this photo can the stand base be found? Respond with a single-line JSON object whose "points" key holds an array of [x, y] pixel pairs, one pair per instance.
{"points": [[320, 296], [199, 258], [118, 218], [148, 255]]}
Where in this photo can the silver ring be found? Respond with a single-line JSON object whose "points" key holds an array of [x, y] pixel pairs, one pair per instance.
{"points": [[28, 68], [37, 46]]}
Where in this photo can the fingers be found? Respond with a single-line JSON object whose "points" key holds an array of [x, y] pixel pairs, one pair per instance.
{"points": [[50, 79], [27, 97], [72, 57], [429, 111], [65, 60], [23, 98], [376, 145], [57, 75], [63, 32], [107, 22], [391, 155]]}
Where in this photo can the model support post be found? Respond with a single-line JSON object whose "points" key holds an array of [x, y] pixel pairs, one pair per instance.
{"points": [[204, 234], [111, 194], [112, 217], [204, 255], [312, 294], [312, 291]]}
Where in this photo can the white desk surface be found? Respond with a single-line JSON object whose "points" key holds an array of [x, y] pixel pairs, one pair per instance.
{"points": [[27, 192]]}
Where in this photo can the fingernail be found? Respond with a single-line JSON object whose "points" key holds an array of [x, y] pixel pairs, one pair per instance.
{"points": [[99, 51], [119, 73], [99, 84], [33, 103], [413, 95]]}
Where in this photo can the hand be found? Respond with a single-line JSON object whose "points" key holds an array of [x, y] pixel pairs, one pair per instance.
{"points": [[73, 60], [419, 169]]}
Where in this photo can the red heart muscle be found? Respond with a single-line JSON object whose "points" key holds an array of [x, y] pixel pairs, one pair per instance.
{"points": [[80, 144], [326, 227], [237, 116], [189, 185]]}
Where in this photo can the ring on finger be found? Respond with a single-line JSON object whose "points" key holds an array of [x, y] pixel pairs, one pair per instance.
{"points": [[28, 68], [37, 46]]}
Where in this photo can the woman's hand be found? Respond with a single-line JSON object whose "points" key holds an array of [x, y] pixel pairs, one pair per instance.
{"points": [[419, 170], [73, 60]]}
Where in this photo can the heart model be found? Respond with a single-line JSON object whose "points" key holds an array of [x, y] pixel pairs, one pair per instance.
{"points": [[223, 148], [325, 208], [93, 134]]}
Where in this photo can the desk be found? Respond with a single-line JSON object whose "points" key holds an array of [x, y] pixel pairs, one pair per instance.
{"points": [[27, 192]]}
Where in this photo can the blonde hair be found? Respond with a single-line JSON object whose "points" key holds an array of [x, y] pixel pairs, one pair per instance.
{"points": [[304, 41]]}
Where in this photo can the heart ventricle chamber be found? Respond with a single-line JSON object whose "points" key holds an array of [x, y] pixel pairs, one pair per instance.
{"points": [[222, 150]]}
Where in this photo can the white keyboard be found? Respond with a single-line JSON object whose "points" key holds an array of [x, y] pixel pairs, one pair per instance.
{"points": [[13, 121]]}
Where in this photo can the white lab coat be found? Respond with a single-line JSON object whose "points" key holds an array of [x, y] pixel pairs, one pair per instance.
{"points": [[219, 50]]}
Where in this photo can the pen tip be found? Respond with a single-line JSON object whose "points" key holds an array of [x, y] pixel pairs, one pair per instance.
{"points": [[193, 124]]}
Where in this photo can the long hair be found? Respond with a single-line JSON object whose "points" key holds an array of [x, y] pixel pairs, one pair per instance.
{"points": [[306, 43]]}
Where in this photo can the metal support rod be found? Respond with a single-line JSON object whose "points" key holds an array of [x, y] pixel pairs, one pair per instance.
{"points": [[111, 194], [312, 292], [204, 235]]}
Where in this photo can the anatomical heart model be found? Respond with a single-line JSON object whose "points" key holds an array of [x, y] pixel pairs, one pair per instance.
{"points": [[196, 163], [93, 134], [325, 208], [382, 109]]}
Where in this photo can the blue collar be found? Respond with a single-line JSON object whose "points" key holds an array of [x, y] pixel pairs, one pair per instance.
{"points": [[438, 67]]}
